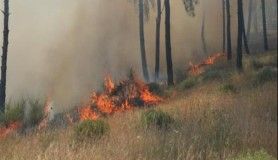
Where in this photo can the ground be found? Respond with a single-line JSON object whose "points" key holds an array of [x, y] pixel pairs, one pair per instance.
{"points": [[220, 114]]}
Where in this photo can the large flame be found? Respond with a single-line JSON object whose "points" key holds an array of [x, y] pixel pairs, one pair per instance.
{"points": [[125, 96], [9, 129], [199, 68]]}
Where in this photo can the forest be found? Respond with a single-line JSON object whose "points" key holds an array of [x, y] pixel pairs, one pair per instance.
{"points": [[138, 80]]}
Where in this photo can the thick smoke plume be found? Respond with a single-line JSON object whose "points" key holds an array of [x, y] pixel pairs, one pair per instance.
{"points": [[65, 48]]}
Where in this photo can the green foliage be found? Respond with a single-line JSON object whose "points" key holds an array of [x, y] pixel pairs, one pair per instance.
{"points": [[91, 129], [188, 83], [228, 88], [214, 74], [14, 111], [190, 6], [36, 112], [180, 75], [155, 88], [265, 74], [216, 131], [158, 119], [259, 155]]}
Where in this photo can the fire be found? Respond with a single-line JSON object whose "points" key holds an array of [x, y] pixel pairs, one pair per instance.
{"points": [[9, 129], [199, 68], [47, 110], [127, 95]]}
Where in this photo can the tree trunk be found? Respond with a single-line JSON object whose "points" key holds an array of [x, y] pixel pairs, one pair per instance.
{"points": [[250, 10], [224, 26], [4, 56], [142, 41], [255, 23], [239, 35], [203, 34], [157, 40], [245, 41], [229, 41], [264, 25], [168, 43]]}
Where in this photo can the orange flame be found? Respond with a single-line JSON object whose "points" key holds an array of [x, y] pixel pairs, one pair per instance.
{"points": [[11, 128], [47, 109], [117, 98], [199, 68]]}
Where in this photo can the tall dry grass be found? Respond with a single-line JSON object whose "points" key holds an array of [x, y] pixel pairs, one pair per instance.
{"points": [[208, 124]]}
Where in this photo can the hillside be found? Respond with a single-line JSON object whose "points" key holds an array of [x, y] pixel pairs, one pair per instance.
{"points": [[218, 114]]}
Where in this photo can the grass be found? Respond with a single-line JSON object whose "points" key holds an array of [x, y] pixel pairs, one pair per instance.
{"points": [[211, 125], [91, 129], [258, 155], [157, 119]]}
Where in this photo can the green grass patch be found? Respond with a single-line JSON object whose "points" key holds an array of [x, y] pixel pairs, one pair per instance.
{"points": [[14, 112], [157, 119], [91, 129], [258, 155], [264, 75], [188, 83], [228, 88], [214, 74], [36, 112]]}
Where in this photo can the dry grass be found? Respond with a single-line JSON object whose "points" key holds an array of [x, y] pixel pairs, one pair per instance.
{"points": [[209, 124]]}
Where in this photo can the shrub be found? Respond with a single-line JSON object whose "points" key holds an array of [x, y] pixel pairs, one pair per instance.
{"points": [[228, 88], [159, 119], [259, 155], [214, 75], [216, 131], [91, 129], [188, 83], [265, 74], [14, 111], [36, 112], [155, 88]]}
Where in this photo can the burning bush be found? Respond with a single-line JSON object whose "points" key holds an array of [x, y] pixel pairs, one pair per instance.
{"points": [[159, 119], [127, 95], [91, 129]]}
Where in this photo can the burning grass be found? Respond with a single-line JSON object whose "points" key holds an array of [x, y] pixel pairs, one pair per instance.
{"points": [[128, 94], [211, 125]]}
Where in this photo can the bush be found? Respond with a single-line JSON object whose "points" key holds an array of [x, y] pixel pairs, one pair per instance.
{"points": [[228, 88], [158, 119], [155, 88], [36, 112], [214, 75], [265, 74], [91, 129], [14, 112], [259, 155], [188, 83]]}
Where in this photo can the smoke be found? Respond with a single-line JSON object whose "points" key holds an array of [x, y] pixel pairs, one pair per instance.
{"points": [[64, 48]]}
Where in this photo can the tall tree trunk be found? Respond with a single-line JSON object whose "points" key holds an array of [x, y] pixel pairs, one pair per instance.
{"points": [[245, 41], [142, 41], [224, 26], [239, 35], [157, 40], [203, 34], [229, 39], [250, 10], [255, 23], [168, 43], [4, 56], [264, 25]]}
